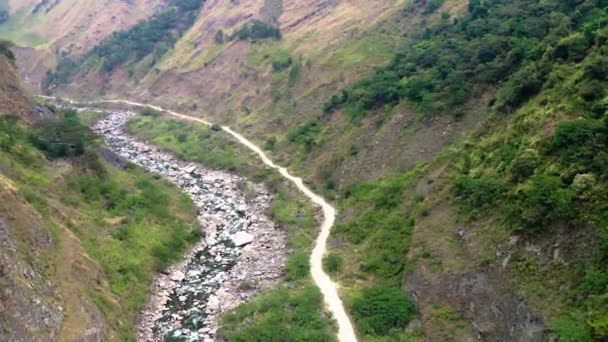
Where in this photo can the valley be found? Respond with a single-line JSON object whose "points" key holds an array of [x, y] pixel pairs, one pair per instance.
{"points": [[322, 280], [434, 170]]}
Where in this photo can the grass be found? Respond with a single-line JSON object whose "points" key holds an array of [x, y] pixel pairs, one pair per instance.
{"points": [[130, 223], [195, 142], [369, 50]]}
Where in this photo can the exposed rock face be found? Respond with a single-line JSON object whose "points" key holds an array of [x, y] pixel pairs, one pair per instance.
{"points": [[242, 252]]}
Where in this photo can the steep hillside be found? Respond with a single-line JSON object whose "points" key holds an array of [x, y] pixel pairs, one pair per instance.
{"points": [[463, 142], [80, 238], [47, 30]]}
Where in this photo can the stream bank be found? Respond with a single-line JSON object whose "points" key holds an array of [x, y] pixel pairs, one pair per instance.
{"points": [[242, 251]]}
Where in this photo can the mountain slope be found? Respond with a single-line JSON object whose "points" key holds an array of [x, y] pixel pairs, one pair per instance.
{"points": [[47, 30], [463, 142], [66, 272]]}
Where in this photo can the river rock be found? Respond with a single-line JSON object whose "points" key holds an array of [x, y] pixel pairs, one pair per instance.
{"points": [[242, 238], [178, 276]]}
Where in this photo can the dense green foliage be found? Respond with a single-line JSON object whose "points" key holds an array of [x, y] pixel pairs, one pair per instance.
{"points": [[150, 40], [279, 315], [257, 30], [382, 308], [306, 135], [63, 136], [380, 227], [539, 181], [513, 43]]}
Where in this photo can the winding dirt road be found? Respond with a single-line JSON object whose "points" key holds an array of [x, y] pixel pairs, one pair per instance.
{"points": [[346, 333]]}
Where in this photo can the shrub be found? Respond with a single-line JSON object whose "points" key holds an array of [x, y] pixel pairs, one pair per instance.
{"points": [[524, 165], [150, 112], [478, 192], [298, 267], [279, 315], [216, 127], [6, 45], [581, 142], [573, 47], [540, 201], [570, 330], [270, 143], [333, 263], [433, 5], [257, 30], [382, 308], [63, 136], [219, 37], [305, 134], [281, 61], [595, 281]]}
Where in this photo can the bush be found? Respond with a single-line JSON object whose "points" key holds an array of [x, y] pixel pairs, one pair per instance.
{"points": [[305, 134], [581, 142], [6, 45], [570, 330], [433, 5], [270, 143], [281, 61], [298, 267], [219, 37], [573, 47], [478, 192], [257, 30], [524, 165], [333, 263], [150, 112], [62, 137], [540, 201], [279, 315], [382, 308]]}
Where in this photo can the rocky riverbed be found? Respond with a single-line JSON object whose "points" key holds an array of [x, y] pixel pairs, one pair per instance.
{"points": [[242, 251]]}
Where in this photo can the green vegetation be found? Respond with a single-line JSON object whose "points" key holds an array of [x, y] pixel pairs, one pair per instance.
{"points": [[150, 38], [333, 263], [380, 309], [306, 135], [257, 30], [380, 228], [192, 142], [129, 222], [536, 181], [279, 315], [62, 137], [498, 42]]}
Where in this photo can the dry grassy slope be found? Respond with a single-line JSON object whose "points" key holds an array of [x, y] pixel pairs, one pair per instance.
{"points": [[197, 73], [66, 27], [13, 99]]}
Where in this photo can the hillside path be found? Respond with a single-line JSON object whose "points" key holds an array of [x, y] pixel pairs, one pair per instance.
{"points": [[328, 288]]}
